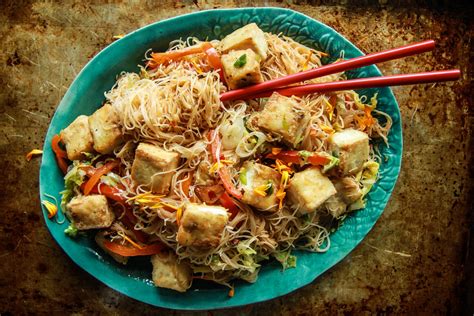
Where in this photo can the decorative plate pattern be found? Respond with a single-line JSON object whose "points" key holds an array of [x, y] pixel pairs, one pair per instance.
{"points": [[86, 94]]}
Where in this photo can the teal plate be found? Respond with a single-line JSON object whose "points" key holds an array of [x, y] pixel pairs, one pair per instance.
{"points": [[87, 93]]}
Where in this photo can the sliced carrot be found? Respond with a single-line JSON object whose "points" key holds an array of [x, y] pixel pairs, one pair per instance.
{"points": [[176, 55], [99, 172], [223, 171], [61, 155], [126, 251]]}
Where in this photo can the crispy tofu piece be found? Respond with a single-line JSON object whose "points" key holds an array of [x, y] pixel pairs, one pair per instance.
{"points": [[348, 190], [335, 206], [90, 212], [78, 138], [248, 37], [169, 273], [258, 175], [105, 130], [309, 189], [248, 74], [202, 225], [282, 117], [352, 149], [150, 160]]}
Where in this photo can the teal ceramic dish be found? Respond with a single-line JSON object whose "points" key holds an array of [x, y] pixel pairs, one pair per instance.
{"points": [[87, 93]]}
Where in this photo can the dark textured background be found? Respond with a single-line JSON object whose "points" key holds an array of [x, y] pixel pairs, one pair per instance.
{"points": [[413, 261]]}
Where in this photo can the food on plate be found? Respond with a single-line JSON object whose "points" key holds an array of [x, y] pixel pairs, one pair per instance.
{"points": [[209, 189]]}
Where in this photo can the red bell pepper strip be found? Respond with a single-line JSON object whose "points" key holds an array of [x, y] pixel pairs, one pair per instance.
{"points": [[215, 61], [133, 251], [226, 201], [223, 171], [99, 172], [60, 154], [129, 220], [287, 156], [110, 192], [318, 160], [228, 184], [209, 194]]}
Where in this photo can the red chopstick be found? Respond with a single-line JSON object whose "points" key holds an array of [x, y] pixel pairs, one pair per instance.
{"points": [[394, 53], [375, 82]]}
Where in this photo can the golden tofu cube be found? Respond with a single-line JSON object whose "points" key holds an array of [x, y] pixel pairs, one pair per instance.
{"points": [[105, 129], [256, 176], [169, 273], [283, 117], [202, 225], [153, 167], [77, 138], [248, 37], [245, 75], [90, 212], [348, 190], [309, 189], [352, 149]]}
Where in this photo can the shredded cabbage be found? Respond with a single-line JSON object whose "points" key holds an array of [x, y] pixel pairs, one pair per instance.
{"points": [[367, 177], [71, 231], [72, 180], [286, 259]]}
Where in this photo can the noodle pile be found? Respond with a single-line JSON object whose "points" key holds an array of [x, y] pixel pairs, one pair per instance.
{"points": [[176, 105]]}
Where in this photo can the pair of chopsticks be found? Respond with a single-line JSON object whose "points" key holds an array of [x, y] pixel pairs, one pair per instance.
{"points": [[279, 85]]}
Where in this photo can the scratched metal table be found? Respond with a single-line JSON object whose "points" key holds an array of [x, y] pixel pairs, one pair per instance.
{"points": [[414, 260]]}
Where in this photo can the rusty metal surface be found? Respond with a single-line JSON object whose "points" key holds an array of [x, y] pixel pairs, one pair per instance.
{"points": [[413, 260]]}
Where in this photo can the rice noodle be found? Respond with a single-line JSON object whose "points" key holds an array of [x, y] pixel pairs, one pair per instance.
{"points": [[176, 105]]}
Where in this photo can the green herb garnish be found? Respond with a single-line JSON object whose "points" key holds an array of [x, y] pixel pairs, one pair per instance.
{"points": [[241, 61], [243, 176], [71, 231], [269, 189]]}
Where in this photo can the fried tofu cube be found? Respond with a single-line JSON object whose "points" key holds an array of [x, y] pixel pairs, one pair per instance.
{"points": [[348, 190], [151, 160], [248, 37], [90, 212], [169, 273], [241, 68], [256, 177], [202, 225], [77, 138], [282, 117], [309, 189], [352, 149], [105, 129], [335, 206]]}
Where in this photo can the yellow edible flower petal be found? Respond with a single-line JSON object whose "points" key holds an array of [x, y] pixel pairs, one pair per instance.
{"points": [[261, 190], [32, 153], [179, 213], [330, 108], [326, 128], [51, 208], [125, 237]]}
